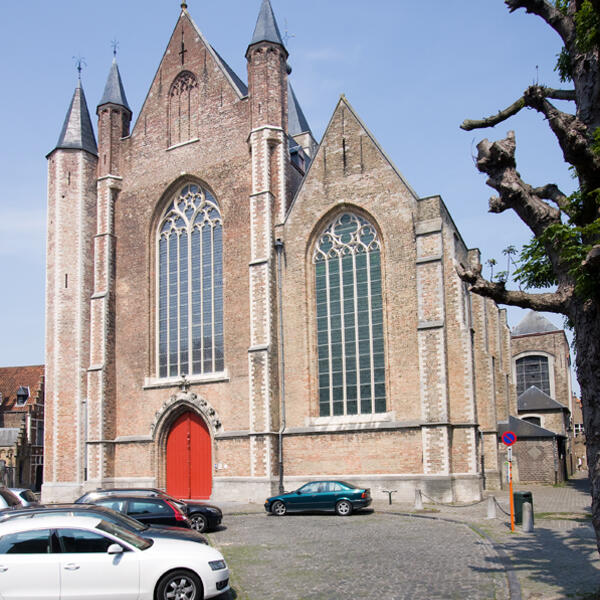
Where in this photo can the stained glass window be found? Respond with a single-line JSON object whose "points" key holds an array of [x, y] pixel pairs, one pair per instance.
{"points": [[533, 370], [190, 285], [349, 312]]}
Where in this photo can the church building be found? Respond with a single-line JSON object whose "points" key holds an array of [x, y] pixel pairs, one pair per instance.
{"points": [[233, 307]]}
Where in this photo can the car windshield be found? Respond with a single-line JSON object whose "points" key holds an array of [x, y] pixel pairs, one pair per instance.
{"points": [[124, 534], [182, 506], [101, 513], [123, 518]]}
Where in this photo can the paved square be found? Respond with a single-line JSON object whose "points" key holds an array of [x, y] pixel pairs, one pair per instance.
{"points": [[366, 555]]}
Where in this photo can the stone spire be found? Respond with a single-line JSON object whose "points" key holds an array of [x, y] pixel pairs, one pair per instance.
{"points": [[77, 132], [266, 29], [114, 93]]}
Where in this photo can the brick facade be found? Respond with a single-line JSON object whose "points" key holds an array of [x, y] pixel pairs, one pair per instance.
{"points": [[447, 352]]}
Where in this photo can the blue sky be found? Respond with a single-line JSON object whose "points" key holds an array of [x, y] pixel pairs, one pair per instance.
{"points": [[412, 70]]}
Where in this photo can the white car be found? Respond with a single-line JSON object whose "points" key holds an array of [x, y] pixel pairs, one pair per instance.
{"points": [[85, 558]]}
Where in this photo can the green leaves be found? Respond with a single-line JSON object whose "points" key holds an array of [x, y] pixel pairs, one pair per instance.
{"points": [[587, 36], [573, 244], [587, 27], [563, 65]]}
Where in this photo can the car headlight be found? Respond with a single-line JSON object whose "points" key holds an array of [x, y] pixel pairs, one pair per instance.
{"points": [[217, 565]]}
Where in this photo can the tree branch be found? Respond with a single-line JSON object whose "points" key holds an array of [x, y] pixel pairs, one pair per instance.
{"points": [[497, 160], [549, 302], [571, 133], [592, 260], [515, 107], [550, 191], [547, 11]]}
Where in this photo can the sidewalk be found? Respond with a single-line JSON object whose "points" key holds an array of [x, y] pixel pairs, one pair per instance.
{"points": [[558, 560]]}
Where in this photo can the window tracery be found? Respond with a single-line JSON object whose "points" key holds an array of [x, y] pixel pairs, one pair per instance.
{"points": [[349, 311], [190, 285], [183, 108]]}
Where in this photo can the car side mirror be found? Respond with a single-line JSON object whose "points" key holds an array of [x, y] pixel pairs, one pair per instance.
{"points": [[115, 549], [298, 491]]}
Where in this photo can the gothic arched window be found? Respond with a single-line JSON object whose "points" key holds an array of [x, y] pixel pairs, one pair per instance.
{"points": [[533, 370], [190, 285], [183, 108], [347, 262]]}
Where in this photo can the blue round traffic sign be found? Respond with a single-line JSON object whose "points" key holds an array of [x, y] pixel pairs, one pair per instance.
{"points": [[509, 438]]}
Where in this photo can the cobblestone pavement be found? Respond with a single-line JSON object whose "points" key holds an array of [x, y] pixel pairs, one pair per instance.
{"points": [[367, 555], [396, 552]]}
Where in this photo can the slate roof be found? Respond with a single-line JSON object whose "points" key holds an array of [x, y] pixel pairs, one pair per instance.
{"points": [[524, 429], [533, 323], [266, 29], [114, 92], [297, 122], [535, 399], [77, 132], [11, 378], [8, 436], [242, 87]]}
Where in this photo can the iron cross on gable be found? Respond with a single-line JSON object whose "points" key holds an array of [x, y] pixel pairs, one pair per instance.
{"points": [[183, 49]]}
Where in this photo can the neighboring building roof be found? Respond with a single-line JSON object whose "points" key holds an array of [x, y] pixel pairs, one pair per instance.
{"points": [[242, 87], [266, 29], [523, 429], [8, 436], [533, 323], [114, 92], [534, 399], [12, 378], [77, 132], [297, 122]]}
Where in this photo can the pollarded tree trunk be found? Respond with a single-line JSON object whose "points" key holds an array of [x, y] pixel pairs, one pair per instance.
{"points": [[586, 321], [564, 254]]}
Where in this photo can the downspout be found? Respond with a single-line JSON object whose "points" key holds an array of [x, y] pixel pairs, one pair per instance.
{"points": [[279, 250]]}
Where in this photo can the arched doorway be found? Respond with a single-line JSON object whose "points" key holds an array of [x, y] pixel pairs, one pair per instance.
{"points": [[189, 458]]}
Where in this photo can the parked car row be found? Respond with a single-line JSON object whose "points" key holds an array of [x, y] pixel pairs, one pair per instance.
{"points": [[152, 505], [90, 557], [132, 542], [88, 545]]}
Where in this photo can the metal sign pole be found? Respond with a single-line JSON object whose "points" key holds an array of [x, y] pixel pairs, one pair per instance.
{"points": [[510, 491]]}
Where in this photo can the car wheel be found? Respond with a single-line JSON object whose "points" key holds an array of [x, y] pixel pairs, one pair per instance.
{"points": [[343, 508], [278, 508], [198, 522], [179, 585]]}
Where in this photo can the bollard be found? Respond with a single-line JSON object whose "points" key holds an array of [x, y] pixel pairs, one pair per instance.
{"points": [[491, 507], [389, 493], [527, 518], [418, 500]]}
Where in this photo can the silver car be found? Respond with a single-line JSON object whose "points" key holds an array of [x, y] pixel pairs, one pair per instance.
{"points": [[26, 496]]}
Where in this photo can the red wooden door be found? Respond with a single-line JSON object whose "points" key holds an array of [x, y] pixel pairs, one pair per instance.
{"points": [[189, 461]]}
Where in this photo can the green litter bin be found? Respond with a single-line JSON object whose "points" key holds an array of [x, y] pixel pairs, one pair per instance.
{"points": [[519, 498]]}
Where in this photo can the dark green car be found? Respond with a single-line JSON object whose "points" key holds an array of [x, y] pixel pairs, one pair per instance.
{"points": [[340, 496]]}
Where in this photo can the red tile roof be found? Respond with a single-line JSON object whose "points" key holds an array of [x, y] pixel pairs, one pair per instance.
{"points": [[11, 378]]}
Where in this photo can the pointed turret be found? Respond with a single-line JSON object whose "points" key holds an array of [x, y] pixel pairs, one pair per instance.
{"points": [[77, 132], [114, 118], [114, 93], [266, 29], [72, 167]]}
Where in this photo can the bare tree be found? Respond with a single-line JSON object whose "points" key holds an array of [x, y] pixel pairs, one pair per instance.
{"points": [[564, 252]]}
